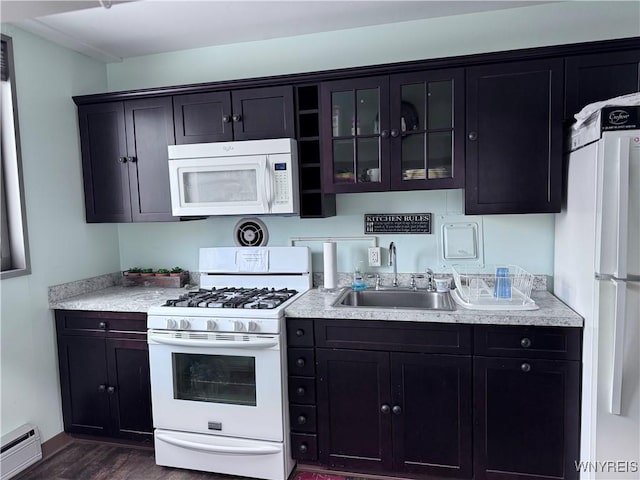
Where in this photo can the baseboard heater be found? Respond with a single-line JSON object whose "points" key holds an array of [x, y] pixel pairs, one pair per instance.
{"points": [[20, 449]]}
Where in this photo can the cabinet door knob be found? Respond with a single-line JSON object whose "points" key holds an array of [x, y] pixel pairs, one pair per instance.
{"points": [[102, 325], [111, 390], [397, 410], [299, 332], [384, 133], [302, 419], [301, 391], [122, 159], [300, 362], [132, 159], [236, 117], [303, 448], [525, 367], [525, 342], [473, 136], [385, 408], [395, 132], [226, 118], [102, 388]]}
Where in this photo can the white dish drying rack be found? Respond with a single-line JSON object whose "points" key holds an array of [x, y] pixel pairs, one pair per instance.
{"points": [[475, 289]]}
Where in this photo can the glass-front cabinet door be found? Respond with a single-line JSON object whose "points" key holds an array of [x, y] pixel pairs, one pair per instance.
{"points": [[355, 134], [427, 131], [398, 132]]}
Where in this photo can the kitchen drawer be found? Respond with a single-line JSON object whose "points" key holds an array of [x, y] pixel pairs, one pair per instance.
{"points": [[88, 323], [393, 336], [528, 341], [302, 390], [301, 361], [299, 332], [304, 446], [302, 418]]}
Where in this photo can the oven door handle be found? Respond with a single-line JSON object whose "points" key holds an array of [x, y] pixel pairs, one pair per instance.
{"points": [[226, 450], [261, 343]]}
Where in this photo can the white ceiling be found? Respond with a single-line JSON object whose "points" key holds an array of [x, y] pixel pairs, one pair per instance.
{"points": [[132, 28]]}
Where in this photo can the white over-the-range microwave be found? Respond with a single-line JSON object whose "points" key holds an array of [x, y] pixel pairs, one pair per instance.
{"points": [[250, 177]]}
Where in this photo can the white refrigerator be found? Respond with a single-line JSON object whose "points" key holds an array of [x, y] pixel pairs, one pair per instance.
{"points": [[597, 273]]}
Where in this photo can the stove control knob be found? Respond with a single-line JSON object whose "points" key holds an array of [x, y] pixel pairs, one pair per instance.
{"points": [[172, 324], [238, 326], [211, 325], [184, 324], [252, 326]]}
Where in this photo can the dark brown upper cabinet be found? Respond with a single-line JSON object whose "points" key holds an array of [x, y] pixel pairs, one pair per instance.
{"points": [[597, 77], [125, 160], [398, 132], [427, 151], [514, 137], [250, 114], [315, 202]]}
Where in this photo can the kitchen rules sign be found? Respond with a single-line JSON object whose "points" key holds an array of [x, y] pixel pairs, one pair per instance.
{"points": [[397, 223]]}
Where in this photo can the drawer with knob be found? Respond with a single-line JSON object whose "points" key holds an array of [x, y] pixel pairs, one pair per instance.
{"points": [[302, 418], [300, 332], [304, 446], [85, 323], [301, 361], [302, 390], [561, 343]]}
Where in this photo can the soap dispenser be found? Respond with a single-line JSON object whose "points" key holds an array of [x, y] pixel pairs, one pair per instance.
{"points": [[358, 280]]}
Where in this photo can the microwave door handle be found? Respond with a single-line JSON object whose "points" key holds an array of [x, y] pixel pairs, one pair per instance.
{"points": [[268, 185]]}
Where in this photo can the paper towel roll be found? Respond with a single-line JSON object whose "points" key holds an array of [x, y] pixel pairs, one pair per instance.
{"points": [[330, 265]]}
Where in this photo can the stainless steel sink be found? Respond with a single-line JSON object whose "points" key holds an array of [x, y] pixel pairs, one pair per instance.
{"points": [[395, 298]]}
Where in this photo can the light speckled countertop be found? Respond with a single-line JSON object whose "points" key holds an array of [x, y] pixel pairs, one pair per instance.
{"points": [[118, 299], [316, 303]]}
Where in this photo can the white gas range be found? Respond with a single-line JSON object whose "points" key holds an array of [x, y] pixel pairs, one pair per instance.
{"points": [[218, 362]]}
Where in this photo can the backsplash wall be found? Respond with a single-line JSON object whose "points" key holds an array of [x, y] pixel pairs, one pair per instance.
{"points": [[526, 240]]}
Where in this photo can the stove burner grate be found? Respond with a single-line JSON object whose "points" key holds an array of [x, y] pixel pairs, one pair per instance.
{"points": [[231, 297]]}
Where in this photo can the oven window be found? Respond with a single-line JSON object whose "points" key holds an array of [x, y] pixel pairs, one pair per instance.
{"points": [[214, 378]]}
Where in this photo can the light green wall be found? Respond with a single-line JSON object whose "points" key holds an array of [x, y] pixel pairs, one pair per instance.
{"points": [[542, 25], [523, 239], [526, 240], [63, 247]]}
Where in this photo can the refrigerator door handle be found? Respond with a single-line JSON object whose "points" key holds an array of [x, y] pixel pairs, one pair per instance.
{"points": [[622, 207], [606, 277], [618, 346]]}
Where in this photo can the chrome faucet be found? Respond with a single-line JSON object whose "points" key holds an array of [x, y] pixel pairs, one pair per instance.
{"points": [[430, 285], [393, 261]]}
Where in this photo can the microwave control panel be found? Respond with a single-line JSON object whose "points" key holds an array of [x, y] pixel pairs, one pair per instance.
{"points": [[281, 178]]}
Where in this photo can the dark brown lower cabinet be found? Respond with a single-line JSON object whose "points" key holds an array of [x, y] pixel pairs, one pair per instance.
{"points": [[104, 374], [394, 411], [526, 402], [527, 418], [433, 400]]}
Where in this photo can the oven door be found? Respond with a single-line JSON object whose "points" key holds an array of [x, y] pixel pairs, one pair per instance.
{"points": [[225, 384]]}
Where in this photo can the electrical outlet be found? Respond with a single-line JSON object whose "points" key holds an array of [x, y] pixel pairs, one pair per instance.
{"points": [[374, 256]]}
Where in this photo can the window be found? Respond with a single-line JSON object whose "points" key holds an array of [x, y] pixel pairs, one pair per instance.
{"points": [[14, 245]]}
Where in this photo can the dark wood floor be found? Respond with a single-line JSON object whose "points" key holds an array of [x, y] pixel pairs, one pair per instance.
{"points": [[89, 460], [86, 460]]}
